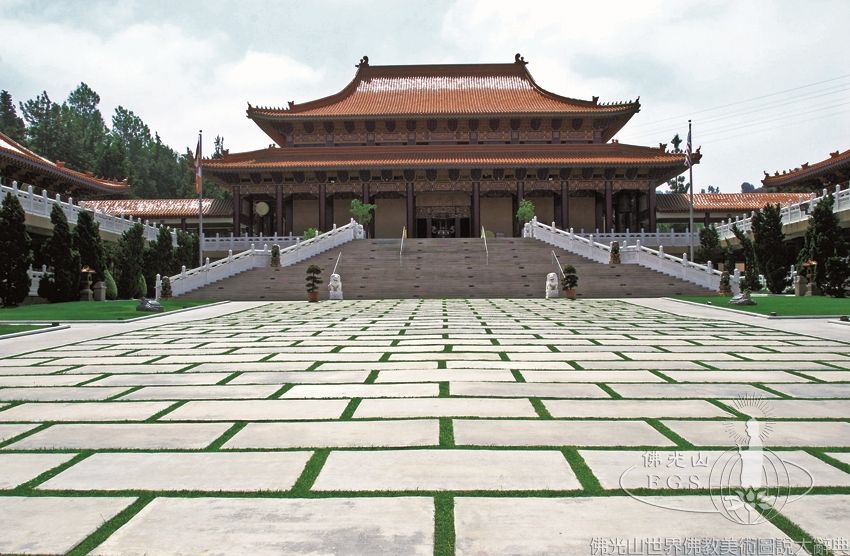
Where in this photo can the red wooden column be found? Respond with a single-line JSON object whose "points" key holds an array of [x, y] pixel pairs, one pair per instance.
{"points": [[237, 211], [651, 207], [609, 206], [278, 209], [288, 210], [520, 194], [476, 209], [323, 202], [411, 210], [565, 205]]}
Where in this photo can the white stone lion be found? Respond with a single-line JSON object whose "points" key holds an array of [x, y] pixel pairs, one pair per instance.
{"points": [[552, 285], [335, 287]]}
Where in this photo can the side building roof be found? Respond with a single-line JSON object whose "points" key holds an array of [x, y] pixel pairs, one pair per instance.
{"points": [[13, 155], [723, 202], [830, 171]]}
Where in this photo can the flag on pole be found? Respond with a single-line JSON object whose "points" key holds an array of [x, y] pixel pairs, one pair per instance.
{"points": [[688, 151], [198, 166]]}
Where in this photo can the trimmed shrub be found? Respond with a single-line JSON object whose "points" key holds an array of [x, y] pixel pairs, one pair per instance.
{"points": [[769, 247], [64, 285], [525, 211], [131, 251], [88, 244], [836, 276], [141, 287], [362, 212], [310, 233], [823, 241], [111, 287], [15, 248]]}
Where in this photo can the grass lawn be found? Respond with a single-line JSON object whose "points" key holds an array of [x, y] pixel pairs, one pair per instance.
{"points": [[89, 310], [782, 305], [14, 328]]}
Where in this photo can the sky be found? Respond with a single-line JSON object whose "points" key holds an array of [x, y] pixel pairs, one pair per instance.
{"points": [[766, 83]]}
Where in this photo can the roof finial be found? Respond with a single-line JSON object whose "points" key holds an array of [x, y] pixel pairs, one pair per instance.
{"points": [[519, 59], [364, 62], [290, 104]]}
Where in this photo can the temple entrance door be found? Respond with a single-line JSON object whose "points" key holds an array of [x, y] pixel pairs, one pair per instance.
{"points": [[443, 228]]}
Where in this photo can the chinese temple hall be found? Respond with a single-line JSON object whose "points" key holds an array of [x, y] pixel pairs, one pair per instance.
{"points": [[444, 150]]}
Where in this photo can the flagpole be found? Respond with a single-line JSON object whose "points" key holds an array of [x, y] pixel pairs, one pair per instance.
{"points": [[691, 203], [200, 204]]}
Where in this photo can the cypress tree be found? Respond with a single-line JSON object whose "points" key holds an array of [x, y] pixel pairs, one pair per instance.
{"points": [[64, 285], [823, 241], [769, 247], [750, 281], [15, 249], [159, 257], [88, 244], [131, 251]]}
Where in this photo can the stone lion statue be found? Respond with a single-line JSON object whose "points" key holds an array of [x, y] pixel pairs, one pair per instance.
{"points": [[552, 285], [335, 287]]}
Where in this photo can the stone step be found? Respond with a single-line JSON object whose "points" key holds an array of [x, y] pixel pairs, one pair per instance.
{"points": [[446, 268]]}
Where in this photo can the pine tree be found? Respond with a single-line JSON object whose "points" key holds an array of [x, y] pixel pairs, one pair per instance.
{"points": [[64, 261], [709, 246], [823, 241], [769, 247], [131, 250], [15, 247], [44, 126], [186, 253], [88, 244], [10, 123]]}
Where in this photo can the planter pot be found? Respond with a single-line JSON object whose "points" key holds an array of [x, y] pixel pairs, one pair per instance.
{"points": [[313, 297], [570, 293]]}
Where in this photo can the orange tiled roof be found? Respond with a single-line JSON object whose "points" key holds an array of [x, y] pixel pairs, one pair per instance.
{"points": [[445, 156], [16, 153], [837, 160], [723, 202], [160, 208], [443, 90]]}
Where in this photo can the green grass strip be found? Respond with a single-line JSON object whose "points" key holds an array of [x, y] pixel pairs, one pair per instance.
{"points": [[771, 390], [228, 378], [444, 390], [95, 379], [447, 433], [503, 356], [348, 413], [373, 376], [24, 434], [730, 409], [585, 476], [441, 364], [663, 429], [517, 375], [110, 526], [311, 471], [796, 533], [662, 376], [50, 473], [280, 391], [228, 434], [610, 391], [124, 393], [444, 525], [541, 410], [165, 411]]}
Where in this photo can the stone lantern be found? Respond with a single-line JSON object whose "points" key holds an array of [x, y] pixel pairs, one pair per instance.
{"points": [[86, 293]]}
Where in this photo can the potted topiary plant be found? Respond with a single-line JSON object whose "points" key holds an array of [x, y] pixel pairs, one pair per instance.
{"points": [[310, 233], [615, 253], [275, 261], [313, 281], [569, 281], [166, 288]]}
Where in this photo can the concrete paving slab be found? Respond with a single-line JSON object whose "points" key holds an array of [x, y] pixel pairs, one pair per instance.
{"points": [[224, 392], [633, 409], [591, 376], [11, 431], [444, 407], [257, 410], [338, 434], [28, 370], [443, 375], [228, 471], [161, 379], [44, 380], [59, 393], [825, 517], [257, 526], [576, 525], [735, 376], [779, 433], [690, 390], [363, 391], [121, 369], [17, 469], [526, 389], [395, 470], [53, 525], [249, 367], [794, 409], [809, 390], [142, 436], [703, 469], [506, 432], [83, 411]]}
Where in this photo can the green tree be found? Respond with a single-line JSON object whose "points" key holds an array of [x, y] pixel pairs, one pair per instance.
{"points": [[83, 128], [769, 247], [525, 211], [15, 247], [362, 212], [678, 185], [89, 245], [747, 187], [61, 257], [186, 253], [823, 240], [159, 257], [709, 246], [131, 252], [44, 126], [750, 280], [10, 123]]}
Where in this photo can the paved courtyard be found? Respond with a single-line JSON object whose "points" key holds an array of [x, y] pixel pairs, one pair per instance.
{"points": [[429, 427]]}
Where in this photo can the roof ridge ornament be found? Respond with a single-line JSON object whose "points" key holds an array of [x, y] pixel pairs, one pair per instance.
{"points": [[364, 62], [518, 59]]}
